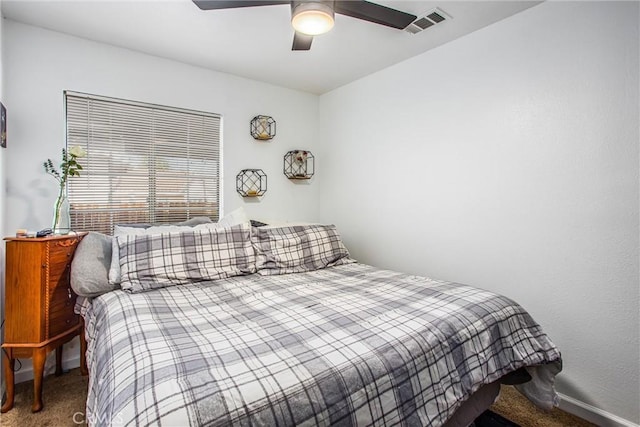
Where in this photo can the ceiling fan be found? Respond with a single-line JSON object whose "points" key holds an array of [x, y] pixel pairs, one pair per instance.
{"points": [[314, 17]]}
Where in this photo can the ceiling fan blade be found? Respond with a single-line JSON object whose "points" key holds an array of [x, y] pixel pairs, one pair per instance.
{"points": [[301, 41], [373, 12], [232, 4]]}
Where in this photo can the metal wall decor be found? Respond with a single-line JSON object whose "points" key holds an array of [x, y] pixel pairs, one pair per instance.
{"points": [[299, 164], [251, 182], [263, 128]]}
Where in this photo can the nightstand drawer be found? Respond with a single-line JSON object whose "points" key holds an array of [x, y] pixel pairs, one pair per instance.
{"points": [[59, 268], [62, 323], [61, 318], [61, 301], [60, 255], [61, 296], [58, 279]]}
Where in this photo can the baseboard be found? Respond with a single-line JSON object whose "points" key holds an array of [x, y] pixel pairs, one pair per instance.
{"points": [[26, 374], [592, 414]]}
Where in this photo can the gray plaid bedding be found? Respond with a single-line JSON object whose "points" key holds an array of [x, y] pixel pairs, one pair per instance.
{"points": [[347, 345], [153, 261], [298, 249]]}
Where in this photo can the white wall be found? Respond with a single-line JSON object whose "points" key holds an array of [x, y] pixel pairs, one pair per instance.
{"points": [[508, 159], [40, 65]]}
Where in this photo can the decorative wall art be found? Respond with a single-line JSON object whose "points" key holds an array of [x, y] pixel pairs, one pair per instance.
{"points": [[299, 164], [263, 128], [251, 182]]}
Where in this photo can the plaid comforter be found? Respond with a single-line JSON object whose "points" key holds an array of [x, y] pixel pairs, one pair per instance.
{"points": [[347, 345]]}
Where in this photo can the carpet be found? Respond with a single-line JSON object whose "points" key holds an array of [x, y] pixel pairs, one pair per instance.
{"points": [[64, 400], [519, 410]]}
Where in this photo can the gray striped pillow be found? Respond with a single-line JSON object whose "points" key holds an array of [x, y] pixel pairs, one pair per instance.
{"points": [[176, 258], [296, 249]]}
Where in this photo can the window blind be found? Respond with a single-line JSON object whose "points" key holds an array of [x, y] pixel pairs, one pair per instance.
{"points": [[145, 163]]}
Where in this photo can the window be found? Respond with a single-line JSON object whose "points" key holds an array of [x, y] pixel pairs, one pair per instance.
{"points": [[145, 163]]}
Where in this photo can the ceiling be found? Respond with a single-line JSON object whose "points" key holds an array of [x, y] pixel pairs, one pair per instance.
{"points": [[255, 42]]}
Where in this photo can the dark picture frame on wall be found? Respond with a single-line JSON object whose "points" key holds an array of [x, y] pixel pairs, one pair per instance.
{"points": [[3, 126]]}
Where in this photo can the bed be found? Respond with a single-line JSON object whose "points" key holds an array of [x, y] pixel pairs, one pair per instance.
{"points": [[248, 326]]}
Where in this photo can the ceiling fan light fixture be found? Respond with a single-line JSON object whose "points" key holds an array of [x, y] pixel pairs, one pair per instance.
{"points": [[312, 18]]}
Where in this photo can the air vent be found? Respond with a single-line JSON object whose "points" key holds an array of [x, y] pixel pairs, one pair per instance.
{"points": [[426, 20], [436, 17], [423, 23]]}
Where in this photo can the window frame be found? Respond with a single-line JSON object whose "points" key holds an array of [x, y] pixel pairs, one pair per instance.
{"points": [[211, 127]]}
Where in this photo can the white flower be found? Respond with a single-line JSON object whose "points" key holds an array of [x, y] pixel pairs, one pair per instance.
{"points": [[77, 151], [68, 167]]}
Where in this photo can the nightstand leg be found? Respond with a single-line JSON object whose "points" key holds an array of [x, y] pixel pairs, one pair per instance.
{"points": [[83, 349], [8, 363], [39, 356], [58, 361]]}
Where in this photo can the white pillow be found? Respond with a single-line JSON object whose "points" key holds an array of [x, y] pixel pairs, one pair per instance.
{"points": [[235, 217]]}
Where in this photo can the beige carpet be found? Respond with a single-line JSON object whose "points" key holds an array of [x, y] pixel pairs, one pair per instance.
{"points": [[517, 408], [64, 399]]}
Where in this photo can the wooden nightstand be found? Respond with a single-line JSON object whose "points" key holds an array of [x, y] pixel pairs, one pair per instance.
{"points": [[39, 305]]}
